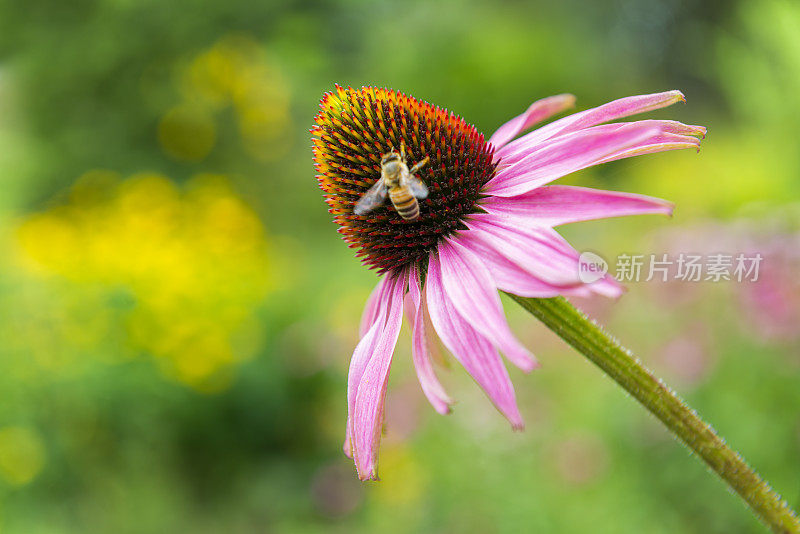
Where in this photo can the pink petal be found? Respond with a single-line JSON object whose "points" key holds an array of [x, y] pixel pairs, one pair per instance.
{"points": [[409, 310], [367, 412], [532, 250], [666, 126], [419, 350], [554, 205], [474, 351], [566, 155], [470, 287], [370, 312], [363, 353], [540, 251], [617, 109], [675, 136], [658, 144], [537, 112], [672, 136], [433, 342], [515, 279]]}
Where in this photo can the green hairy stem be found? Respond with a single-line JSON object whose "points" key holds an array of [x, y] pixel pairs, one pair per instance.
{"points": [[627, 371]]}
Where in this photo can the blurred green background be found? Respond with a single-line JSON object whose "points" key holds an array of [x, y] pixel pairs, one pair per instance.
{"points": [[177, 312]]}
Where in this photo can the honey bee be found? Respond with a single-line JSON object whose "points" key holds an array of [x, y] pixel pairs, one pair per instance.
{"points": [[399, 182]]}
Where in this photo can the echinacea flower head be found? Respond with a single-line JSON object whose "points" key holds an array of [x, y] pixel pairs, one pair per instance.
{"points": [[485, 224]]}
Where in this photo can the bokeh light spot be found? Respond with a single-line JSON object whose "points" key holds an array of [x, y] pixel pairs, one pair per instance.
{"points": [[22, 455], [187, 133]]}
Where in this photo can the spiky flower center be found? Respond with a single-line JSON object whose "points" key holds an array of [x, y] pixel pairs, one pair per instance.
{"points": [[354, 128]]}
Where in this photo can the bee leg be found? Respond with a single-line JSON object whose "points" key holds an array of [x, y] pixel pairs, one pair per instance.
{"points": [[419, 165], [403, 149]]}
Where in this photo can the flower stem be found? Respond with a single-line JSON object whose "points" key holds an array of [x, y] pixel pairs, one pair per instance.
{"points": [[627, 371]]}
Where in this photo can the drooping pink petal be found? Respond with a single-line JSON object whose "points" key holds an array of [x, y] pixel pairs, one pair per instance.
{"points": [[472, 350], [409, 310], [538, 250], [419, 350], [566, 155], [533, 250], [370, 312], [509, 276], [434, 348], [364, 351], [537, 112], [554, 205], [623, 107], [470, 287], [358, 363], [367, 413]]}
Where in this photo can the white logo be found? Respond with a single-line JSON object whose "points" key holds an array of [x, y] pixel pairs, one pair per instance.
{"points": [[591, 267]]}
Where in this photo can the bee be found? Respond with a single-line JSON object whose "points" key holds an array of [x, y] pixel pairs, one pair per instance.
{"points": [[399, 182]]}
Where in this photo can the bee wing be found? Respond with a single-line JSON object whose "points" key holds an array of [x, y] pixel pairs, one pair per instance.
{"points": [[372, 198], [418, 187]]}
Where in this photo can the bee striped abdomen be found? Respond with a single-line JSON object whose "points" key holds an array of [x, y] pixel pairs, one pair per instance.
{"points": [[405, 203]]}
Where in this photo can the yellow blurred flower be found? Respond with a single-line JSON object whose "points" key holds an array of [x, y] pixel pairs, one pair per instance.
{"points": [[22, 455], [195, 263], [235, 73]]}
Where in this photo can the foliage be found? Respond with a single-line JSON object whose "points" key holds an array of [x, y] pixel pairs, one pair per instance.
{"points": [[177, 313]]}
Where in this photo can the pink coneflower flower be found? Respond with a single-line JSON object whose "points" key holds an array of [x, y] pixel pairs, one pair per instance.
{"points": [[485, 225]]}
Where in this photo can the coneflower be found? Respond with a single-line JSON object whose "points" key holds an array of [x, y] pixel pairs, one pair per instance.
{"points": [[486, 224], [486, 218]]}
